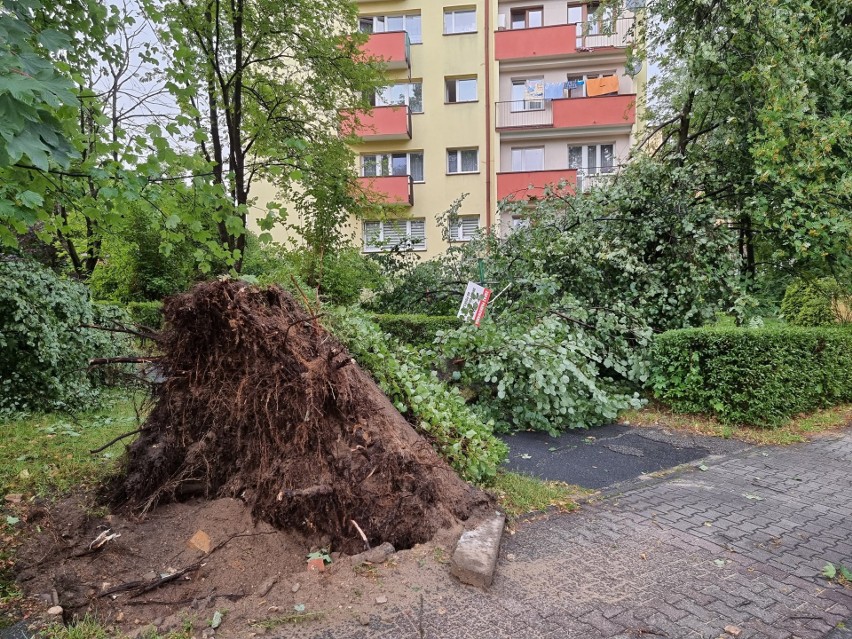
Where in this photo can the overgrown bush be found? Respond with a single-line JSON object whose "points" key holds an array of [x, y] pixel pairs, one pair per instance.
{"points": [[44, 345], [754, 376], [819, 302], [439, 413], [341, 275], [417, 330]]}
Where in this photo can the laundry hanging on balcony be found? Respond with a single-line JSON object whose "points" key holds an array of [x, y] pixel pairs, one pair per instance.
{"points": [[534, 90], [570, 85], [602, 86]]}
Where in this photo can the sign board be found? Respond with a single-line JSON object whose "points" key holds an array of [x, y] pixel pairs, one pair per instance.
{"points": [[474, 302]]}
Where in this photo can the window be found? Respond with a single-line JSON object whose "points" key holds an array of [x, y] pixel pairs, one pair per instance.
{"points": [[462, 160], [379, 24], [406, 235], [592, 159], [385, 164], [461, 90], [459, 21], [519, 222], [528, 94], [527, 18], [464, 228], [528, 159], [410, 93]]}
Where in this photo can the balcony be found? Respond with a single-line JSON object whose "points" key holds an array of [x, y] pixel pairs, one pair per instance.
{"points": [[567, 113], [381, 123], [557, 40], [536, 44], [603, 110], [528, 184], [392, 47], [389, 189]]}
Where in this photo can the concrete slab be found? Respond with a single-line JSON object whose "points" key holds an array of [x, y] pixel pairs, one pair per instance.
{"points": [[475, 557]]}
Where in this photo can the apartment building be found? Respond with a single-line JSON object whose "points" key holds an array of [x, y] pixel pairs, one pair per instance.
{"points": [[493, 99]]}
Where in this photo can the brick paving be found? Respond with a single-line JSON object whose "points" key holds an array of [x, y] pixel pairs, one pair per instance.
{"points": [[740, 544]]}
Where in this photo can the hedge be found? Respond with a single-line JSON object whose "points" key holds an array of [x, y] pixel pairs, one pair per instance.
{"points": [[148, 314], [752, 376], [417, 330]]}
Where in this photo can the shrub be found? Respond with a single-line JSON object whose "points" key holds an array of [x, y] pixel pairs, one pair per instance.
{"points": [[44, 347], [814, 303], [148, 314], [439, 413], [754, 376], [547, 374], [417, 330]]}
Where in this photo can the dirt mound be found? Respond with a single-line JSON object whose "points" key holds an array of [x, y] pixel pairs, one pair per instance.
{"points": [[262, 404]]}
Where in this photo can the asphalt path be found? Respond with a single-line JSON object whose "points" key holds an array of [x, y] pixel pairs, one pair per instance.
{"points": [[602, 457]]}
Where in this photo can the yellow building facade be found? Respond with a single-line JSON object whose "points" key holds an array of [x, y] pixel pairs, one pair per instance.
{"points": [[491, 99]]}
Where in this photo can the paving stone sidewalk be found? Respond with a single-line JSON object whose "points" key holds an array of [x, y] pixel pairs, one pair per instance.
{"points": [[740, 544]]}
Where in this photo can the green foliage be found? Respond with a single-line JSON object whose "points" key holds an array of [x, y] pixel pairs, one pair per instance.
{"points": [[752, 376], [547, 374], [415, 330], [148, 314], [44, 347], [340, 276], [813, 303], [436, 411]]}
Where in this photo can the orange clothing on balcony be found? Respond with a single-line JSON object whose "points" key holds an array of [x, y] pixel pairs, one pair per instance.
{"points": [[602, 86]]}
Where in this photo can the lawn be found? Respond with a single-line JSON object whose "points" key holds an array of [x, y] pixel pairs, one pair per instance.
{"points": [[795, 430]]}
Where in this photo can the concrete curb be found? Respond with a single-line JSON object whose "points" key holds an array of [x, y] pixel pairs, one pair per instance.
{"points": [[475, 557]]}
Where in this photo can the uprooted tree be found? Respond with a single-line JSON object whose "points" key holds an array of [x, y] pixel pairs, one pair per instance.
{"points": [[260, 402]]}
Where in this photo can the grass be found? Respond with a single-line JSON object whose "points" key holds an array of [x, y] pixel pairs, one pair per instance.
{"points": [[91, 628], [292, 618], [46, 454], [522, 494], [801, 428]]}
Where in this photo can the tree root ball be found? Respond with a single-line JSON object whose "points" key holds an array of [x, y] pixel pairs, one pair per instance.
{"points": [[261, 403]]}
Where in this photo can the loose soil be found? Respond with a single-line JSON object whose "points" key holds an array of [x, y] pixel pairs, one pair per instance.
{"points": [[55, 566]]}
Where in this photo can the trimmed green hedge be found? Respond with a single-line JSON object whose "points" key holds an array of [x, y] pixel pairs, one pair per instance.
{"points": [[417, 330], [148, 314], [752, 376]]}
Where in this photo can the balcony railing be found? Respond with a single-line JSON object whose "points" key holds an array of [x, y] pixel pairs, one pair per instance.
{"points": [[536, 43], [567, 113], [595, 34], [381, 123], [392, 47], [523, 185], [517, 114], [388, 189]]}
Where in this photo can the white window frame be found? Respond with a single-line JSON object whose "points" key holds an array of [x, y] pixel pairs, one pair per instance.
{"points": [[379, 100], [523, 104], [386, 159], [410, 233], [380, 24], [523, 168], [584, 168], [455, 82], [452, 14], [458, 155], [457, 228]]}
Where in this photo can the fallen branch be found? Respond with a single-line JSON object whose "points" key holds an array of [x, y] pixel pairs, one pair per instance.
{"points": [[141, 587], [361, 532], [100, 361]]}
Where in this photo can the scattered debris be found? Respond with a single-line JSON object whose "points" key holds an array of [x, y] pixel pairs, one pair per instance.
{"points": [[217, 620], [55, 611], [316, 564], [377, 555], [201, 541], [734, 631], [381, 599], [475, 557], [14, 498], [295, 587], [266, 586]]}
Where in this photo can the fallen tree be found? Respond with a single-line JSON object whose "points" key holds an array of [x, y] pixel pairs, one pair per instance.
{"points": [[260, 402]]}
